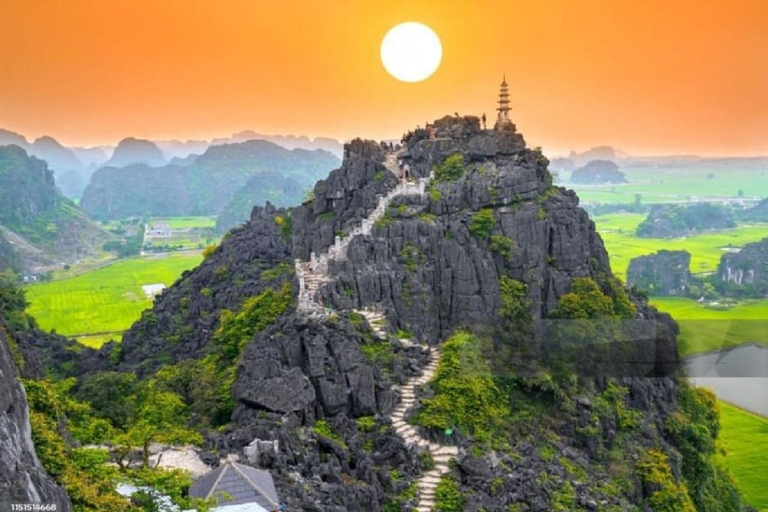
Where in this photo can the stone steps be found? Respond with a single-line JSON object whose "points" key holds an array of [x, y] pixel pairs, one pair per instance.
{"points": [[441, 455]]}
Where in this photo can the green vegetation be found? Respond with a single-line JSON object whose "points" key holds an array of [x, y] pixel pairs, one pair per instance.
{"points": [[150, 415], [448, 497], [451, 169], [694, 428], [482, 223], [433, 192], [704, 328], [105, 301], [744, 452], [286, 226], [129, 246], [322, 428], [466, 394], [378, 352], [13, 302], [237, 329], [514, 306], [618, 233], [669, 495], [188, 222], [278, 271], [503, 246], [412, 256], [586, 301], [677, 184], [680, 220]]}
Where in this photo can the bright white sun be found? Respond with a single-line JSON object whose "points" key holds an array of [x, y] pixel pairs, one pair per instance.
{"points": [[411, 52]]}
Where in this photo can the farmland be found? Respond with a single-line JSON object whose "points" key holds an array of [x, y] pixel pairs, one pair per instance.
{"points": [[618, 233], [663, 185], [104, 302], [704, 328], [742, 440]]}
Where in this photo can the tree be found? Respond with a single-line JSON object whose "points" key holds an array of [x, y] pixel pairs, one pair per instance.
{"points": [[13, 302], [159, 417]]}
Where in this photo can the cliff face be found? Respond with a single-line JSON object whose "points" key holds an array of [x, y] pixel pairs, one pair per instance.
{"points": [[332, 389], [662, 273], [22, 478], [746, 272]]}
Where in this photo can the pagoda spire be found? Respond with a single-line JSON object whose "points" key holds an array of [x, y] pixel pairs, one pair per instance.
{"points": [[503, 119]]}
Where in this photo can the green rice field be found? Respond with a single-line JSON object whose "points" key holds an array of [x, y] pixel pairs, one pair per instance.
{"points": [[618, 233], [101, 304], [704, 328], [187, 222], [663, 185], [743, 438]]}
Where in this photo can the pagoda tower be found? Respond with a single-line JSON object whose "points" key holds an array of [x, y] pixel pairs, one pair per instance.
{"points": [[503, 121]]}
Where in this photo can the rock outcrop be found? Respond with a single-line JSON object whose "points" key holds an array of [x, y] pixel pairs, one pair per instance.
{"points": [[330, 393], [22, 478], [670, 221], [745, 273], [661, 273], [598, 172]]}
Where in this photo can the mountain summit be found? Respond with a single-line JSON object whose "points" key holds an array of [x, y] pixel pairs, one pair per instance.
{"points": [[435, 327]]}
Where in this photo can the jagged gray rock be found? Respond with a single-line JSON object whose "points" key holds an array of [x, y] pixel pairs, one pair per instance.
{"points": [[661, 273], [22, 478]]}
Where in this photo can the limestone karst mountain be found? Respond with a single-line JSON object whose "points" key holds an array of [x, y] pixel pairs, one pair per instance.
{"points": [[385, 345], [598, 172], [207, 184], [43, 228], [132, 151]]}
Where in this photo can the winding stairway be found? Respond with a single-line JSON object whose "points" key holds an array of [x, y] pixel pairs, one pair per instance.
{"points": [[314, 273]]}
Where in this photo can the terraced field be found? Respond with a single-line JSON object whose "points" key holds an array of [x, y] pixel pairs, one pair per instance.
{"points": [[99, 305]]}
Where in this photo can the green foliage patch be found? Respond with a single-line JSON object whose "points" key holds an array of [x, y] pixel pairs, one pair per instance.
{"points": [[257, 312], [482, 223], [466, 396], [451, 169]]}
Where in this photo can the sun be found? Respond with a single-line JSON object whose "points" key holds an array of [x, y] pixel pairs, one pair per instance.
{"points": [[411, 52]]}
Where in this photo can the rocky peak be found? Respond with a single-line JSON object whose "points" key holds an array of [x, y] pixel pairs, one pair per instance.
{"points": [[136, 151]]}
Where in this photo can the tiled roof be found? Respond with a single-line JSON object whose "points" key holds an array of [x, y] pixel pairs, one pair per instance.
{"points": [[234, 484]]}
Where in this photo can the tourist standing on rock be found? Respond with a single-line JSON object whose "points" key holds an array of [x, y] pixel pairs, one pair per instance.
{"points": [[483, 118]]}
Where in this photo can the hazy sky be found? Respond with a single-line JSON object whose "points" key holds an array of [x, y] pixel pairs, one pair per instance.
{"points": [[651, 76]]}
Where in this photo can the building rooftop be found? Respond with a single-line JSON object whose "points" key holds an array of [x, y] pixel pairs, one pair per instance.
{"points": [[237, 484]]}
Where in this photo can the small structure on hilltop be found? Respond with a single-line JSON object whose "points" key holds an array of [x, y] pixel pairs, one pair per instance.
{"points": [[238, 488], [503, 122]]}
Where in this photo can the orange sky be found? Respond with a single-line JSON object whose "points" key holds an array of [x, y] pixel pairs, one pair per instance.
{"points": [[647, 76]]}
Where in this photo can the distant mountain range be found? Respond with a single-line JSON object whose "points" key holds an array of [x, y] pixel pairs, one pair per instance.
{"points": [[39, 227], [73, 166], [207, 184]]}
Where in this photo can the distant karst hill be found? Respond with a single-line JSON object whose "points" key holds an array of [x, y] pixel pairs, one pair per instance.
{"points": [[669, 221], [42, 227], [757, 213], [598, 172], [208, 184], [136, 151]]}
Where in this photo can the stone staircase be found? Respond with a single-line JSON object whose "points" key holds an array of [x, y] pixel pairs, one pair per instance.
{"points": [[314, 273], [441, 455]]}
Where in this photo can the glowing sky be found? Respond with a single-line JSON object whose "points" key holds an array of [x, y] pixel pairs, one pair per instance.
{"points": [[651, 76]]}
